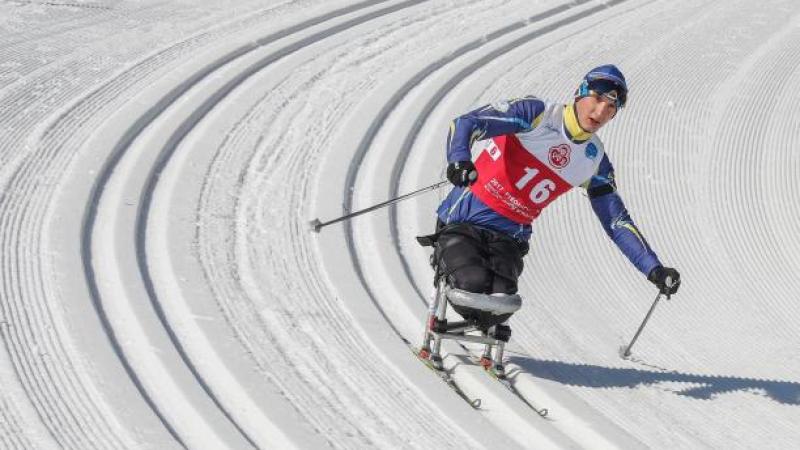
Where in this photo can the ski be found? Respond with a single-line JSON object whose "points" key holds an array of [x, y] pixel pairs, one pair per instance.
{"points": [[487, 366], [542, 412], [448, 380]]}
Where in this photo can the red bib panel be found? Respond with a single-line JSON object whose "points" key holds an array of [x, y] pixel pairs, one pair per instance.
{"points": [[515, 183]]}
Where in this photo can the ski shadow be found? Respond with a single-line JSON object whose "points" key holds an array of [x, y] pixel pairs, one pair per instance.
{"points": [[703, 387]]}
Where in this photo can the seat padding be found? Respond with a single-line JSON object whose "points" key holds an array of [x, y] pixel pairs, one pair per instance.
{"points": [[496, 304]]}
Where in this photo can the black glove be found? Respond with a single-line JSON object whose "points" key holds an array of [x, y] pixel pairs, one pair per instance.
{"points": [[462, 173], [666, 279]]}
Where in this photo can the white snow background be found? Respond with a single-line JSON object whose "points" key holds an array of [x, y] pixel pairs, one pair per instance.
{"points": [[160, 161]]}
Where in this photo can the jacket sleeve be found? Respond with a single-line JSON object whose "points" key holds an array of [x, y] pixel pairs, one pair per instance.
{"points": [[513, 116], [614, 217]]}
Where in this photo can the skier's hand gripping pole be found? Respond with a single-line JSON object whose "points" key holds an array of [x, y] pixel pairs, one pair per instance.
{"points": [[625, 352], [317, 225]]}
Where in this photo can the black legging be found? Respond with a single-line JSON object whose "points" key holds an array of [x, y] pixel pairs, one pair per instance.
{"points": [[479, 260]]}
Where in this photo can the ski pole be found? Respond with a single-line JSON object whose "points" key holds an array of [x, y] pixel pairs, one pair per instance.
{"points": [[317, 225], [627, 351]]}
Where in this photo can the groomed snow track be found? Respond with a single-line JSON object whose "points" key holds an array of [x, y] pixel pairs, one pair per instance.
{"points": [[161, 288]]}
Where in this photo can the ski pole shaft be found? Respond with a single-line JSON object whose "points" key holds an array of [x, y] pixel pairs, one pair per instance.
{"points": [[627, 351], [317, 225], [641, 327]]}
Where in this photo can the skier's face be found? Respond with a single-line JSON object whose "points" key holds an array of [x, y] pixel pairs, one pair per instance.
{"points": [[594, 111]]}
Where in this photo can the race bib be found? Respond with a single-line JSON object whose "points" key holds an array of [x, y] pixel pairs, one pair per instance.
{"points": [[514, 182]]}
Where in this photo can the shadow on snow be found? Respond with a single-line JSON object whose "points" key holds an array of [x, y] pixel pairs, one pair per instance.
{"points": [[703, 387]]}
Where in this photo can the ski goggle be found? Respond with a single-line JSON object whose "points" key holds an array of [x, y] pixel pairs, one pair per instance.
{"points": [[603, 87]]}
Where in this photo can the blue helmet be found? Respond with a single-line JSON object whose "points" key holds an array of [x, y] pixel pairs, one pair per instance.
{"points": [[607, 81]]}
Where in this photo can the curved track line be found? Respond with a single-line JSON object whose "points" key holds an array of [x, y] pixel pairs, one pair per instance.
{"points": [[168, 150], [43, 363], [131, 134], [60, 403]]}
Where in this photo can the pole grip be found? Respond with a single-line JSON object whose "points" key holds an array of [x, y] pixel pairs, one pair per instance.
{"points": [[669, 282]]}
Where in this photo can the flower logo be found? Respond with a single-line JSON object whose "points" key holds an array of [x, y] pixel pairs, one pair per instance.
{"points": [[559, 155]]}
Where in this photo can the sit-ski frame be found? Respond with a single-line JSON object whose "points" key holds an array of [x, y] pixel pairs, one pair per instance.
{"points": [[438, 329]]}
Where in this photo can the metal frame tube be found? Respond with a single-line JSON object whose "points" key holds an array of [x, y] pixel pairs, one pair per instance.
{"points": [[498, 354], [441, 312], [432, 308], [487, 351], [466, 337]]}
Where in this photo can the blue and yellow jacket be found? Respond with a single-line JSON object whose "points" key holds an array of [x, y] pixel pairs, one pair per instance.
{"points": [[521, 116]]}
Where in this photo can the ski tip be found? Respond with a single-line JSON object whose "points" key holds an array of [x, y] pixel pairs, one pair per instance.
{"points": [[315, 225]]}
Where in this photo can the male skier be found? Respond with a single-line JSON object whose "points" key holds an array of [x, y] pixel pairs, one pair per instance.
{"points": [[533, 152]]}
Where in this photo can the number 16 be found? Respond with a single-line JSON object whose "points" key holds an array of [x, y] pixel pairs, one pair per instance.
{"points": [[541, 191]]}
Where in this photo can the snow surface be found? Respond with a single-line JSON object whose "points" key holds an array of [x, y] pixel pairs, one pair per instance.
{"points": [[160, 162]]}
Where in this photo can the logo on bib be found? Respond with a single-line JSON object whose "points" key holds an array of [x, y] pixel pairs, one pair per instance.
{"points": [[559, 156], [493, 151], [591, 151]]}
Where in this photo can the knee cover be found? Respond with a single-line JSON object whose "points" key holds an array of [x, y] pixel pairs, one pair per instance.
{"points": [[471, 279]]}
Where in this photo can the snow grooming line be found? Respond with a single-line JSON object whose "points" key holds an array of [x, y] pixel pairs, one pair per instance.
{"points": [[118, 151]]}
